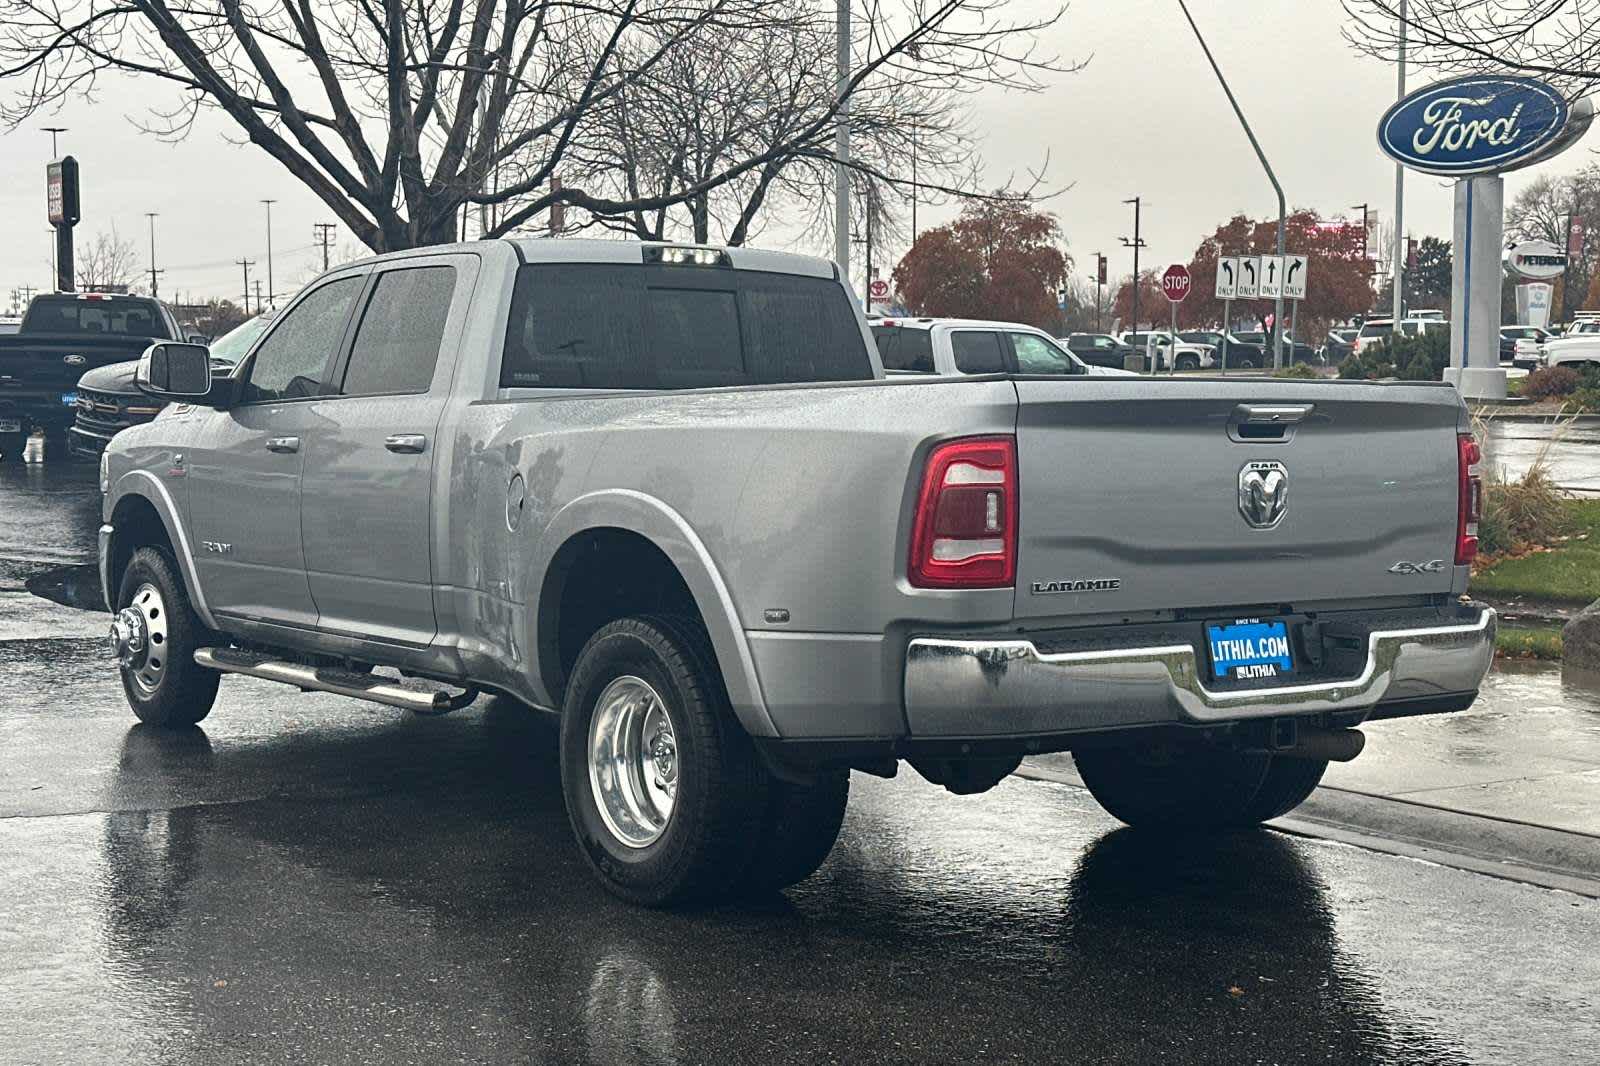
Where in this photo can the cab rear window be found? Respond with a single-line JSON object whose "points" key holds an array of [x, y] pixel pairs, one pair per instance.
{"points": [[628, 326]]}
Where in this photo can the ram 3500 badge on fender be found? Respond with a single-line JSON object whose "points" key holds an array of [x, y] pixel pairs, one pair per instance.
{"points": [[666, 493]]}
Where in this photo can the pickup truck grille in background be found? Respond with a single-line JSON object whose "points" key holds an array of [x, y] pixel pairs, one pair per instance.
{"points": [[101, 412]]}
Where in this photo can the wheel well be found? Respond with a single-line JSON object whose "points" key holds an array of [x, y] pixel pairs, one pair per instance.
{"points": [[597, 577], [137, 524]]}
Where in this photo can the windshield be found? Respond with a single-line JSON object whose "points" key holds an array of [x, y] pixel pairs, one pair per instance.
{"points": [[232, 346], [95, 317]]}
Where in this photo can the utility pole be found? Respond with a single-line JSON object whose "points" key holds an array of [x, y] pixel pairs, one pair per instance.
{"points": [[913, 186], [841, 143], [270, 297], [1283, 207], [1137, 243], [1099, 283], [324, 238], [1400, 193], [151, 215], [258, 295], [1365, 257], [247, 264], [1566, 271]]}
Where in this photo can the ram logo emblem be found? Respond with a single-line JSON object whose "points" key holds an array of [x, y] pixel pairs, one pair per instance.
{"points": [[1263, 493]]}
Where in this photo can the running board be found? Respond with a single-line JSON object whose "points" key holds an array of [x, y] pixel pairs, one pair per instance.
{"points": [[340, 682]]}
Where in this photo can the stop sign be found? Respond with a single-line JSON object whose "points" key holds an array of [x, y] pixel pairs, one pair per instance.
{"points": [[1175, 282]]}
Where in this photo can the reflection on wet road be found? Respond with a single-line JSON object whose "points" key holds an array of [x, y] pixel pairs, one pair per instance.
{"points": [[1572, 452], [397, 889]]}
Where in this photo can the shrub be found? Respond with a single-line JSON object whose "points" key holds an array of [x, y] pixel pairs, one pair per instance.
{"points": [[1585, 401], [1407, 358], [1299, 370], [1551, 381], [1525, 512]]}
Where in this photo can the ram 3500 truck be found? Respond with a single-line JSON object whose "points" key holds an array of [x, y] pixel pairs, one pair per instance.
{"points": [[665, 493]]}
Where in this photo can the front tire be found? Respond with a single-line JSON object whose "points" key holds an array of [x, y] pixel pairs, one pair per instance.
{"points": [[1188, 362], [665, 792], [1195, 786], [155, 635]]}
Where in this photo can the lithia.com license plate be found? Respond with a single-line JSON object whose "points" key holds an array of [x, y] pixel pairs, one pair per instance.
{"points": [[1250, 648]]}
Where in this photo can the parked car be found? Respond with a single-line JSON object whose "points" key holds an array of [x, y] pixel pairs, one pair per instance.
{"points": [[1293, 351], [1231, 350], [1098, 349], [664, 494], [1338, 345], [62, 336], [9, 324], [957, 346], [1166, 351], [1374, 330], [1580, 351], [109, 401], [1519, 345]]}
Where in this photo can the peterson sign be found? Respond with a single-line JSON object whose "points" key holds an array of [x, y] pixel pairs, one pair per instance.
{"points": [[1539, 260], [1480, 125]]}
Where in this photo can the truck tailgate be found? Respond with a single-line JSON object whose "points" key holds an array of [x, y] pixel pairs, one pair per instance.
{"points": [[1130, 494]]}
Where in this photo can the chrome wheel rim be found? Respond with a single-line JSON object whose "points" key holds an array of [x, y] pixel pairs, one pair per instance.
{"points": [[139, 639], [633, 761]]}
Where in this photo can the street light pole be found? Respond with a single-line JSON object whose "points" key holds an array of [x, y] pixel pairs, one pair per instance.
{"points": [[841, 145], [151, 215], [271, 299], [1283, 207], [1400, 195], [1135, 244]]}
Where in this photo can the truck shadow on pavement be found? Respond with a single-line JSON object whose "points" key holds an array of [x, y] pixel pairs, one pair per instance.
{"points": [[411, 891]]}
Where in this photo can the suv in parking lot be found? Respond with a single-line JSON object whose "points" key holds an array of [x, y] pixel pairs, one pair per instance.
{"points": [[665, 494]]}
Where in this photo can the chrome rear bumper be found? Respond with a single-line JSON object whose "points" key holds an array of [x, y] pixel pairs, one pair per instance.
{"points": [[982, 688]]}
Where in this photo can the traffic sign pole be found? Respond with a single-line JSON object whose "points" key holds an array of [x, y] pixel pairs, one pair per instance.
{"points": [[1172, 358]]}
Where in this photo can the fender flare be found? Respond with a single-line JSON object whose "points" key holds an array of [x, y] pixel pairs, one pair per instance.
{"points": [[149, 488], [650, 518]]}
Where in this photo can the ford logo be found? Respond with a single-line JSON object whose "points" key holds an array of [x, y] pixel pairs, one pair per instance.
{"points": [[1480, 124], [74, 360]]}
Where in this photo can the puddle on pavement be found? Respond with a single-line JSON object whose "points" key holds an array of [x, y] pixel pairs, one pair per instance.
{"points": [[71, 586]]}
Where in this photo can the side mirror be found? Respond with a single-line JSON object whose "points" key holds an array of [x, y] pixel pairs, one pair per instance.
{"points": [[175, 370]]}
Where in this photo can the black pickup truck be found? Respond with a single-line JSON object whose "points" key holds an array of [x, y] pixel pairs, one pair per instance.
{"points": [[62, 336]]}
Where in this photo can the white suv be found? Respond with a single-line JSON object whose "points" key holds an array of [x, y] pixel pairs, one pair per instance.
{"points": [[1375, 329]]}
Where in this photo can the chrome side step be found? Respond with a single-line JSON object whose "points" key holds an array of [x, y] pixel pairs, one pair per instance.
{"points": [[340, 682]]}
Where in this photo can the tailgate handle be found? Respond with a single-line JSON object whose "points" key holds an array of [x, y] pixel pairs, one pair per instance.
{"points": [[1267, 422]]}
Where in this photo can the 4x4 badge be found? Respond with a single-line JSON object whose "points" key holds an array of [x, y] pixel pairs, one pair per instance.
{"points": [[1432, 566]]}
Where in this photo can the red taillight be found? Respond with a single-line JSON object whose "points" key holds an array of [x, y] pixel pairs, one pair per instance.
{"points": [[1469, 503], [965, 531]]}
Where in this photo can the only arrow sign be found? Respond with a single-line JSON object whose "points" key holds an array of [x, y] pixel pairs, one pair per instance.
{"points": [[1271, 276], [1249, 273], [1294, 277]]}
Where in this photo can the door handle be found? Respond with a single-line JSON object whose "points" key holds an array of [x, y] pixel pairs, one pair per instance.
{"points": [[406, 443], [283, 444], [1277, 414]]}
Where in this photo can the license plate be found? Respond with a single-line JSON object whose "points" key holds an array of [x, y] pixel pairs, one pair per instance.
{"points": [[69, 398], [1250, 649], [10, 425]]}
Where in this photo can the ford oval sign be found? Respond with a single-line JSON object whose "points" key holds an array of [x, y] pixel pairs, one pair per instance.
{"points": [[1480, 124]]}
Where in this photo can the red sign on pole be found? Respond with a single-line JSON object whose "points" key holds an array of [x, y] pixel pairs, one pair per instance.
{"points": [[878, 289], [1175, 282]]}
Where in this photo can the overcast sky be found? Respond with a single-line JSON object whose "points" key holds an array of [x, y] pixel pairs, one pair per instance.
{"points": [[1146, 117]]}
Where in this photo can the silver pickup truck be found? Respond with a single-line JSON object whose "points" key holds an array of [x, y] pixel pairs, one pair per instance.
{"points": [[666, 493]]}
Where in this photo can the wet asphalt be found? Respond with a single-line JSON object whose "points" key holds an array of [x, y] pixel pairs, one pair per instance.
{"points": [[310, 879]]}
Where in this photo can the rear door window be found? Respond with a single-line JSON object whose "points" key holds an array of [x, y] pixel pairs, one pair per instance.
{"points": [[978, 351], [902, 348], [1035, 355], [397, 344], [628, 326]]}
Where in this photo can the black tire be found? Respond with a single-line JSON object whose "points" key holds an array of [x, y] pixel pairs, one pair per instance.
{"points": [[183, 692], [1175, 787], [1188, 362], [12, 446], [1287, 784], [57, 448], [799, 829], [708, 838], [1245, 363]]}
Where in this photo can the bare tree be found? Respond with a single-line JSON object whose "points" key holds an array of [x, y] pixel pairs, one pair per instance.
{"points": [[108, 263], [1555, 39], [399, 116]]}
